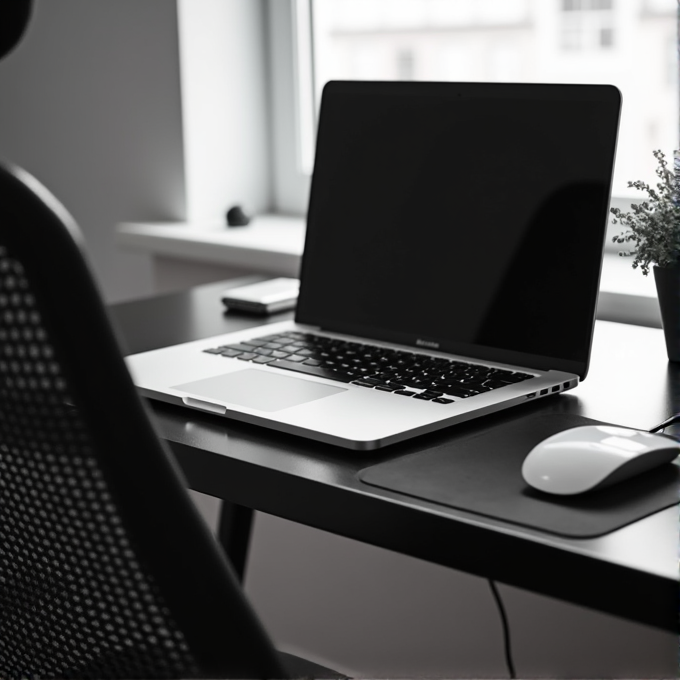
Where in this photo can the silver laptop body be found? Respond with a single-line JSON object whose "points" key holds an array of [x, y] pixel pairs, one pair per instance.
{"points": [[455, 229]]}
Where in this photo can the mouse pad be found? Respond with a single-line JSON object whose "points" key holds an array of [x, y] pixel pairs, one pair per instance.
{"points": [[481, 473]]}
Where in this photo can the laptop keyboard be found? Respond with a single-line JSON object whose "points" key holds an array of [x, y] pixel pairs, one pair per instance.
{"points": [[401, 372]]}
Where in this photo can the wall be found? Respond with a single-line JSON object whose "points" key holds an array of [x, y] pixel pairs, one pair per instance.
{"points": [[225, 106], [372, 613], [91, 106]]}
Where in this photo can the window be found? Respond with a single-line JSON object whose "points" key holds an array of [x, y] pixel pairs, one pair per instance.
{"points": [[623, 42], [587, 25], [629, 43]]}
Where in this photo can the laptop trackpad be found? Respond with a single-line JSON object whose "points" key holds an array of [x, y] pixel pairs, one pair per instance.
{"points": [[259, 390]]}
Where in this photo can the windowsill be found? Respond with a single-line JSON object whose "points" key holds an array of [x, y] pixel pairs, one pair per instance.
{"points": [[273, 244], [626, 295], [270, 244], [619, 276]]}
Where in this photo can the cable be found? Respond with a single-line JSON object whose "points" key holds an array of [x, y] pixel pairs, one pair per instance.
{"points": [[666, 423], [506, 629], [497, 597]]}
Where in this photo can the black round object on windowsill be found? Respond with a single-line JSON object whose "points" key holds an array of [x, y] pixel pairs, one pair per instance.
{"points": [[236, 217]]}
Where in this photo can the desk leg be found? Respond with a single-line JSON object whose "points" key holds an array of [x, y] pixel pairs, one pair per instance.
{"points": [[233, 534]]}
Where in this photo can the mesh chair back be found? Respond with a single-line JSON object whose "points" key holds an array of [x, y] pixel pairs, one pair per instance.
{"points": [[106, 570]]}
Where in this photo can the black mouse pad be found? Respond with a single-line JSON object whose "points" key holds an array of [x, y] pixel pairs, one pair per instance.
{"points": [[481, 473]]}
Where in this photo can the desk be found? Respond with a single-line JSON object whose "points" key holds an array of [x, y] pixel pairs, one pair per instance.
{"points": [[631, 572]]}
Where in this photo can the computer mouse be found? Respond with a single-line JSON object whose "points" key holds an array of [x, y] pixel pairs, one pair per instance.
{"points": [[594, 456]]}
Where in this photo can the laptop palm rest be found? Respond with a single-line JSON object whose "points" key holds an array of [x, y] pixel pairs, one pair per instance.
{"points": [[256, 389]]}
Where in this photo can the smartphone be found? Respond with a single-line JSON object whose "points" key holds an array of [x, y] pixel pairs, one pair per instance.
{"points": [[264, 297]]}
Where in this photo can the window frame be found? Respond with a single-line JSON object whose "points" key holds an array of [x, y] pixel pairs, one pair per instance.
{"points": [[290, 179]]}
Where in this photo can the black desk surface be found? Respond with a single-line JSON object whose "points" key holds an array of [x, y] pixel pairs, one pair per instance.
{"points": [[632, 572]]}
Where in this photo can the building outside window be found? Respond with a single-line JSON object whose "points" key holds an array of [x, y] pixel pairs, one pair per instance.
{"points": [[587, 24], [622, 42]]}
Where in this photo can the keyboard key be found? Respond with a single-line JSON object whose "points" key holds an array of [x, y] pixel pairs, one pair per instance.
{"points": [[274, 338], [406, 393], [296, 357], [386, 388], [364, 370], [242, 348], [214, 350], [263, 360], [460, 392], [423, 396], [417, 383], [477, 386], [230, 352], [442, 400], [384, 375], [495, 383], [517, 377], [278, 354], [363, 383], [319, 371], [248, 356]]}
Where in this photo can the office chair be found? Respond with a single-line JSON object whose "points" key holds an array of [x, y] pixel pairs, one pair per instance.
{"points": [[106, 568]]}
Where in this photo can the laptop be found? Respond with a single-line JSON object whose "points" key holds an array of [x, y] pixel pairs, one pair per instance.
{"points": [[451, 266]]}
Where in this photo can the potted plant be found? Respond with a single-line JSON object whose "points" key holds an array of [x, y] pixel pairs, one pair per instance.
{"points": [[652, 234]]}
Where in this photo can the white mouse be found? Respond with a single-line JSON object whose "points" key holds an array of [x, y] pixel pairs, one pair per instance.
{"points": [[593, 456]]}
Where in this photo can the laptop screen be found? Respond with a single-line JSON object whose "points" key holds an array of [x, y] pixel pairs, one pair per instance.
{"points": [[464, 217]]}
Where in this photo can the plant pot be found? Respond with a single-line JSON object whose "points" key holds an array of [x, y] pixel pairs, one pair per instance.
{"points": [[667, 281]]}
